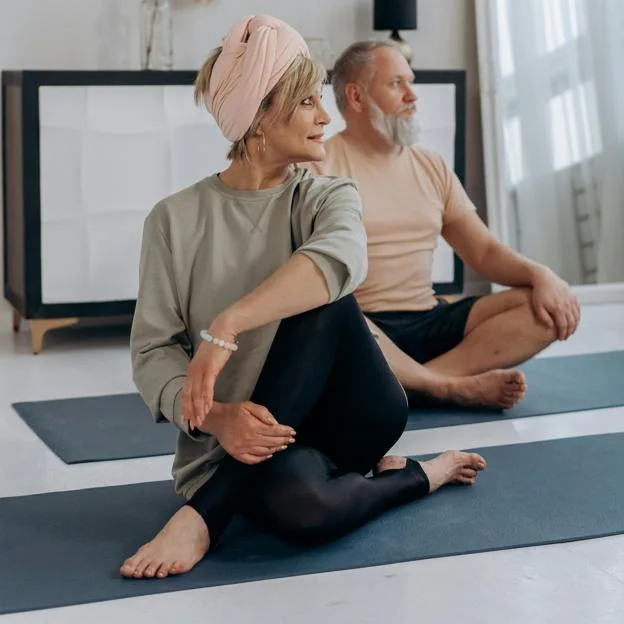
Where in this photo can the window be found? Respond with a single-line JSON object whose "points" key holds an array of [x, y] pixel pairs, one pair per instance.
{"points": [[561, 23], [513, 145], [574, 129], [504, 39]]}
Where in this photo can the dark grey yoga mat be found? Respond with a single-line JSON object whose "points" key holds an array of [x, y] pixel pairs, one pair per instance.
{"points": [[102, 428], [120, 426], [65, 548], [559, 384]]}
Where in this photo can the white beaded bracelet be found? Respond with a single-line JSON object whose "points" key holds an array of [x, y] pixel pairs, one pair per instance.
{"points": [[230, 346]]}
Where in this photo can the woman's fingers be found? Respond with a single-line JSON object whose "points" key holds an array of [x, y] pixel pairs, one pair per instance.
{"points": [[264, 451], [247, 458], [207, 397], [275, 441], [276, 431], [197, 403], [262, 414], [186, 407]]}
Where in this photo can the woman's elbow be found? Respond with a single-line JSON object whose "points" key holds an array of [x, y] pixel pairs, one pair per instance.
{"points": [[357, 271]]}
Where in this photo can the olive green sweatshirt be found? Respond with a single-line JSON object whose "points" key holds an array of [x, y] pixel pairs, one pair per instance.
{"points": [[205, 248]]}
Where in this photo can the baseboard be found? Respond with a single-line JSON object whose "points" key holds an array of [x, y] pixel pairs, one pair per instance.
{"points": [[599, 293], [590, 294]]}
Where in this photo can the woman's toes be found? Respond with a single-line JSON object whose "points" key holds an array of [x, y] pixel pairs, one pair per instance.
{"points": [[163, 569], [139, 571], [175, 568], [150, 571], [467, 480], [475, 461]]}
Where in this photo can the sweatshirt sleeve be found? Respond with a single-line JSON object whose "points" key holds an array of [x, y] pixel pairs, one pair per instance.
{"points": [[159, 343], [337, 242]]}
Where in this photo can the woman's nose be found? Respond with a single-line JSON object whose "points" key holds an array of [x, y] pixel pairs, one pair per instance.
{"points": [[323, 117]]}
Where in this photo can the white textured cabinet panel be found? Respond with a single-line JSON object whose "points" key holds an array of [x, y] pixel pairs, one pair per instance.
{"points": [[109, 153]]}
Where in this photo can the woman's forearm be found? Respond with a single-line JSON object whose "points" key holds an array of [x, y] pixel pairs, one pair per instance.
{"points": [[294, 288]]}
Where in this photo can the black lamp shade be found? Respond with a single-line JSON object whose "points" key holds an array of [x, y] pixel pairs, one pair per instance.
{"points": [[394, 15]]}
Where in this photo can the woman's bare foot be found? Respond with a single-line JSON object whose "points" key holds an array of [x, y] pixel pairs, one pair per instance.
{"points": [[449, 467], [181, 543], [497, 388]]}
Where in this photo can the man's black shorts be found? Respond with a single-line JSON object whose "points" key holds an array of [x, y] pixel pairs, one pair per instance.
{"points": [[424, 335]]}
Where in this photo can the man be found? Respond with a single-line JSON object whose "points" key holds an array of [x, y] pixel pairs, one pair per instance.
{"points": [[461, 351]]}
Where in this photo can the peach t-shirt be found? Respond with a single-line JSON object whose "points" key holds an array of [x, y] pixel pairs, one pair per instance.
{"points": [[406, 202]]}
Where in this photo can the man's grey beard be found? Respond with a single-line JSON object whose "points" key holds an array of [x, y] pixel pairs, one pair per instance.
{"points": [[394, 129]]}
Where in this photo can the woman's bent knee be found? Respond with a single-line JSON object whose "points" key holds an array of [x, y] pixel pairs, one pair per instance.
{"points": [[311, 519]]}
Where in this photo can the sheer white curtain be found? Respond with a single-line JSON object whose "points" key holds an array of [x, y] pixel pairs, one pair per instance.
{"points": [[554, 72]]}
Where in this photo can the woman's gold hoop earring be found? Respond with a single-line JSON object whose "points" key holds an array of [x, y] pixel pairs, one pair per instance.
{"points": [[262, 147]]}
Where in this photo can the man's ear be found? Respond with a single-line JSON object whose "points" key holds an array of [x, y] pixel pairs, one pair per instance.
{"points": [[354, 94]]}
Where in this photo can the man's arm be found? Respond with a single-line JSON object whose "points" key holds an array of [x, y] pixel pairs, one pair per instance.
{"points": [[553, 301], [480, 250]]}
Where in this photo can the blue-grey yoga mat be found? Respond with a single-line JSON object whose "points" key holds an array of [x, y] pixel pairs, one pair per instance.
{"points": [[120, 426], [559, 384], [65, 548], [102, 428]]}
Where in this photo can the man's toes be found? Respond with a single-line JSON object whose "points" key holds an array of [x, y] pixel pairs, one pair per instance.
{"points": [[513, 386], [513, 392], [517, 377]]}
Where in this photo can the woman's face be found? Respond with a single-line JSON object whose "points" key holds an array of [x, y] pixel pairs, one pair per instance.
{"points": [[299, 139]]}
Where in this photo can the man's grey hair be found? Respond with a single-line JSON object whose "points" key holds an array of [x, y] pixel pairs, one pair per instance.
{"points": [[354, 65]]}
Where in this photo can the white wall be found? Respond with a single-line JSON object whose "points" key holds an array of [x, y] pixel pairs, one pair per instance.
{"points": [[103, 34]]}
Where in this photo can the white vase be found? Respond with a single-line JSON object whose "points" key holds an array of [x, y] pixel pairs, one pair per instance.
{"points": [[156, 35]]}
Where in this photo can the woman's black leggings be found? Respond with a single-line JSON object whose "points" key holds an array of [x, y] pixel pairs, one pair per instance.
{"points": [[326, 377]]}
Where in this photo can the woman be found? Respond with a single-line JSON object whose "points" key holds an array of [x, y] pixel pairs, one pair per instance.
{"points": [[278, 420]]}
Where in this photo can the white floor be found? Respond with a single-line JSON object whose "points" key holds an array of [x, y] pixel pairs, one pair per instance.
{"points": [[574, 583]]}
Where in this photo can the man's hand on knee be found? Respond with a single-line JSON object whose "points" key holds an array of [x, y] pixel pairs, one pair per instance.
{"points": [[555, 304]]}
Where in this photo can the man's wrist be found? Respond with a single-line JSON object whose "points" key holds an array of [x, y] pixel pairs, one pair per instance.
{"points": [[537, 272]]}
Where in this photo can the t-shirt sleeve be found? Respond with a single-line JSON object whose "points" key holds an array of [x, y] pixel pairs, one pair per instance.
{"points": [[337, 242], [456, 200]]}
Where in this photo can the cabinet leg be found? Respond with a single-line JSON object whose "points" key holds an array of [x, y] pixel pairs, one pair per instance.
{"points": [[39, 327], [17, 319]]}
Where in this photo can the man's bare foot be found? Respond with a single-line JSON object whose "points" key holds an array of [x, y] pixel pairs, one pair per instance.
{"points": [[449, 467], [181, 543], [497, 388]]}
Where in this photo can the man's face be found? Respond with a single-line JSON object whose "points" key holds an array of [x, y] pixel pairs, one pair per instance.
{"points": [[391, 101], [390, 83]]}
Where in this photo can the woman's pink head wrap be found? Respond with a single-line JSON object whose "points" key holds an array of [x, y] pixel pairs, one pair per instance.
{"points": [[256, 54]]}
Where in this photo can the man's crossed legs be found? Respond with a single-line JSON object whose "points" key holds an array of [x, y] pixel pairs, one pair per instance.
{"points": [[463, 352]]}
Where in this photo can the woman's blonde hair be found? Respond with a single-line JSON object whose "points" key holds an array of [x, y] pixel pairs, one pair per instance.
{"points": [[301, 78]]}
